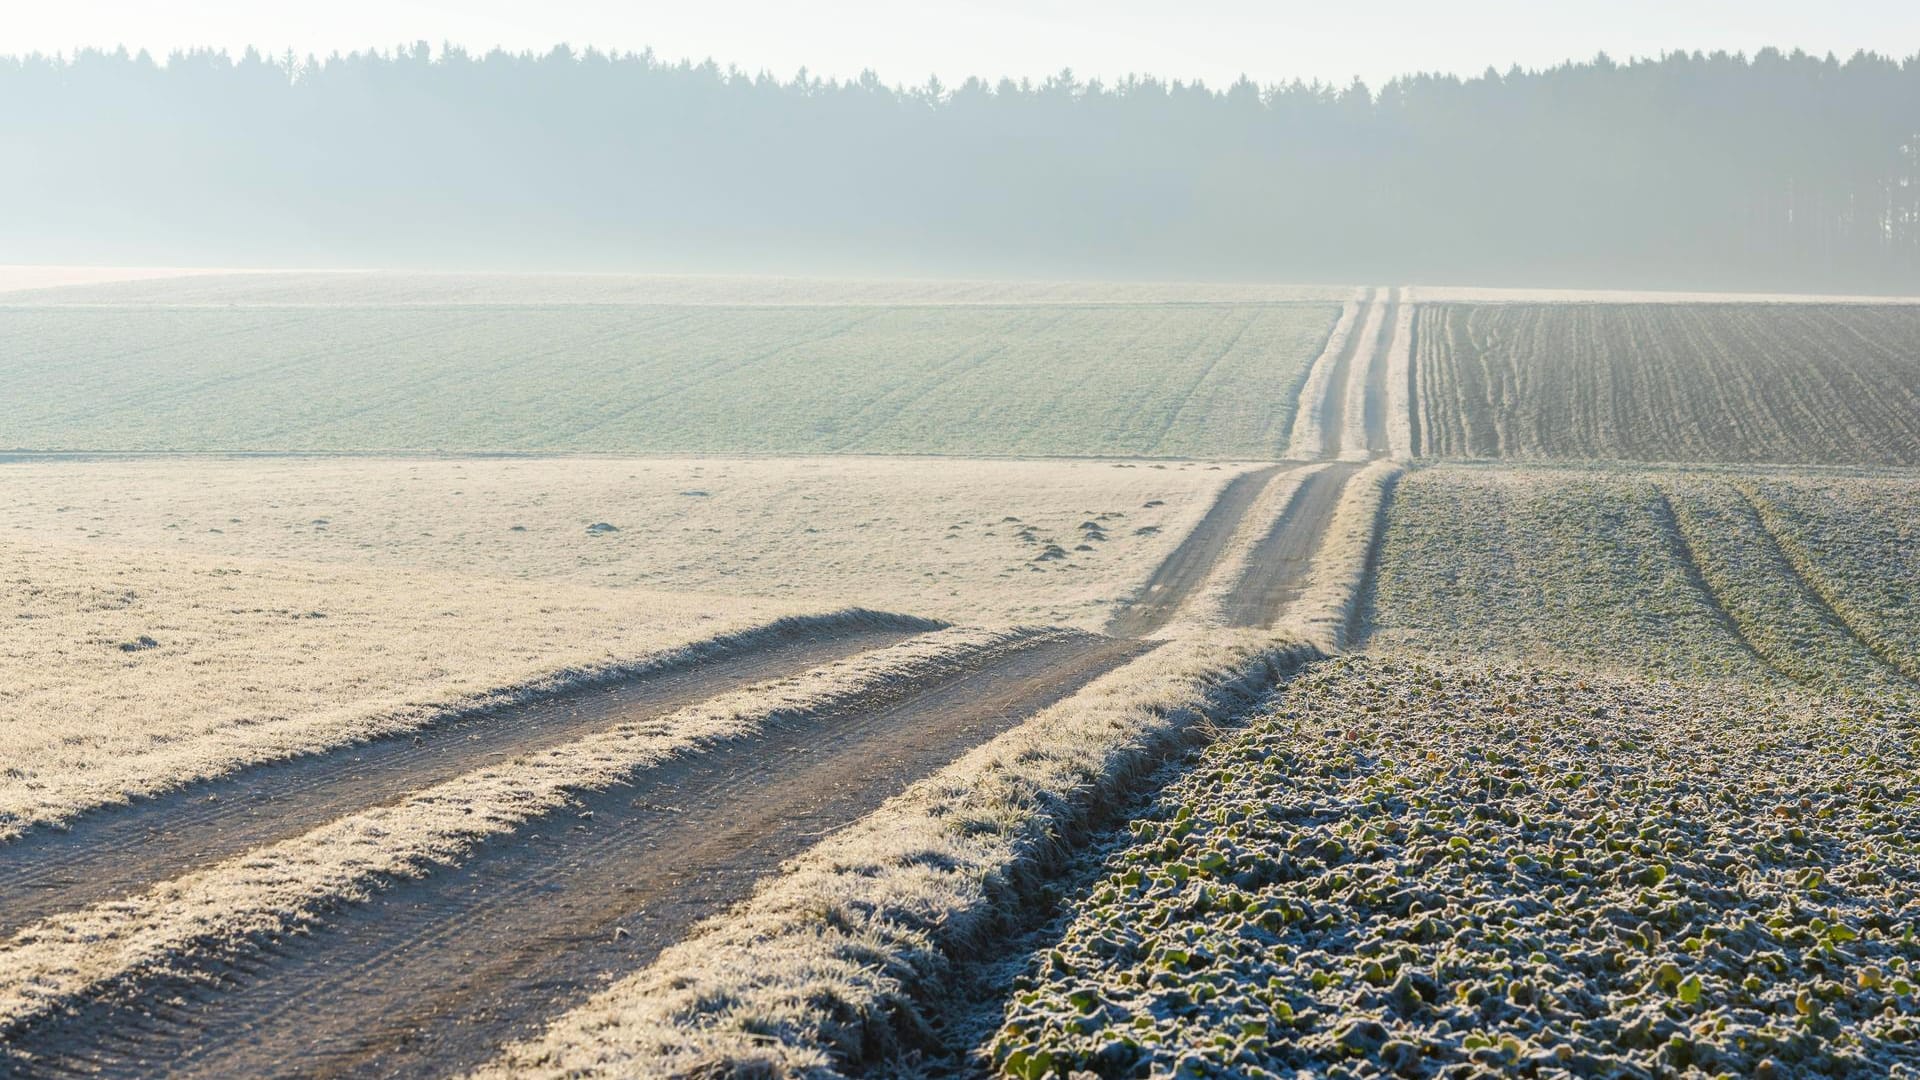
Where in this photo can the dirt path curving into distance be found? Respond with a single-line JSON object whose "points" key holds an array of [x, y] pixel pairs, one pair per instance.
{"points": [[1277, 569], [431, 976], [428, 978], [116, 851]]}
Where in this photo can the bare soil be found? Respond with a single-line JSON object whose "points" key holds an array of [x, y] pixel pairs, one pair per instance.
{"points": [[1781, 384]]}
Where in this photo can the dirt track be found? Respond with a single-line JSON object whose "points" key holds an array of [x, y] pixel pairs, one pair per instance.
{"points": [[429, 977], [1378, 442], [1333, 422], [1187, 568], [1277, 569], [119, 850]]}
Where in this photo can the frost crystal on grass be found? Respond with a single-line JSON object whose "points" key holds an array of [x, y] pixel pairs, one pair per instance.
{"points": [[1426, 872]]}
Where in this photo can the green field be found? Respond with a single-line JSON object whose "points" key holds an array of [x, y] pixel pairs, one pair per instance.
{"points": [[1163, 380], [1768, 577]]}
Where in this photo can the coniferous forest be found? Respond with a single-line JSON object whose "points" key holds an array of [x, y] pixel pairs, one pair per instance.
{"points": [[1775, 171]]}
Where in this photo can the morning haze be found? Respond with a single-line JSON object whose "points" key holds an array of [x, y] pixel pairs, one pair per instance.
{"points": [[1761, 170], [1239, 542]]}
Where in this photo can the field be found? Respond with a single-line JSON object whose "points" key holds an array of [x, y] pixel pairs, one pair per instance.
{"points": [[1409, 870], [1670, 573], [594, 675], [1621, 782], [387, 372], [90, 286], [1455, 294], [172, 625], [903, 534], [18, 278], [135, 672], [1781, 383]]}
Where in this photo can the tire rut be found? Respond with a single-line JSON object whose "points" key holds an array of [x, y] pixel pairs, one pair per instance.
{"points": [[1333, 418], [430, 977], [1277, 568], [1186, 570], [1816, 591], [1379, 443], [1413, 387], [1681, 550], [117, 851]]}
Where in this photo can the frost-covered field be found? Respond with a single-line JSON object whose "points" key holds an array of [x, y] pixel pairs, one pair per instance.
{"points": [[1462, 294], [126, 671], [174, 618], [1626, 787], [1412, 870], [1691, 573], [106, 285], [1785, 383], [970, 541], [1856, 541], [1616, 777], [358, 363]]}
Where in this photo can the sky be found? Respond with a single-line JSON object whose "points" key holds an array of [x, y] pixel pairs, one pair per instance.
{"points": [[905, 42]]}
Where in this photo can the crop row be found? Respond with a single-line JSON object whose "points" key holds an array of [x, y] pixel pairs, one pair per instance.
{"points": [[1649, 382]]}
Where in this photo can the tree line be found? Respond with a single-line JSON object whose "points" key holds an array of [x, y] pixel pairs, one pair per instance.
{"points": [[1774, 171]]}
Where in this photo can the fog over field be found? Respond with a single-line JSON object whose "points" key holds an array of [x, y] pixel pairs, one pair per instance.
{"points": [[561, 562], [1775, 171], [413, 363]]}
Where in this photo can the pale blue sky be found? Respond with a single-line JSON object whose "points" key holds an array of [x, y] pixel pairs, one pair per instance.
{"points": [[905, 42]]}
